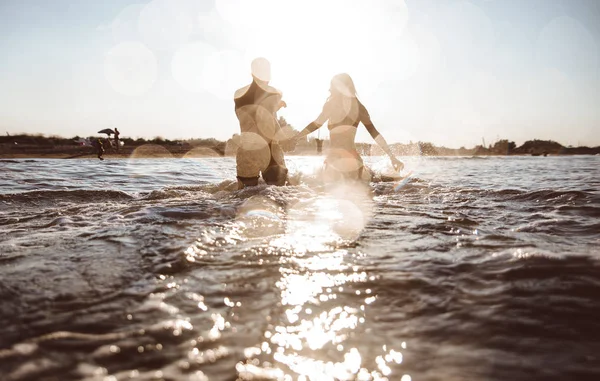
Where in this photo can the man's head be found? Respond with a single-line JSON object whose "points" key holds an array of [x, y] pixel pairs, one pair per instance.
{"points": [[261, 69]]}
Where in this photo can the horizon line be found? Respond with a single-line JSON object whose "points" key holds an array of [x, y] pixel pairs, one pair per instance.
{"points": [[46, 136]]}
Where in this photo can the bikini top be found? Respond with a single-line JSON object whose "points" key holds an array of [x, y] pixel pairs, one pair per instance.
{"points": [[344, 112]]}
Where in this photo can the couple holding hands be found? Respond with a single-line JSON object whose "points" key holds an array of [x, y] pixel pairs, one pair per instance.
{"points": [[260, 149]]}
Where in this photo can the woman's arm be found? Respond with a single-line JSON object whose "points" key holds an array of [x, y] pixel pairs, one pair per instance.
{"points": [[313, 126], [365, 118]]}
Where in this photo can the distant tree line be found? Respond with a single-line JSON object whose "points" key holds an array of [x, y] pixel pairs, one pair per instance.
{"points": [[306, 146]]}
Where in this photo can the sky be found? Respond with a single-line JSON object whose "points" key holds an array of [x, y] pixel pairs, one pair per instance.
{"points": [[450, 72]]}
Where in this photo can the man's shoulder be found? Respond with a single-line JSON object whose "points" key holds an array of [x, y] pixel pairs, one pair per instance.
{"points": [[241, 92], [271, 90]]}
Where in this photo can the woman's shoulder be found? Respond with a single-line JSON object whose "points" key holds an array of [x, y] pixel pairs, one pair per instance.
{"points": [[362, 112], [361, 106], [328, 105]]}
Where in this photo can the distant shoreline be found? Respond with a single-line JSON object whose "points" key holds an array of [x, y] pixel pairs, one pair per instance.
{"points": [[63, 156], [129, 155], [29, 147]]}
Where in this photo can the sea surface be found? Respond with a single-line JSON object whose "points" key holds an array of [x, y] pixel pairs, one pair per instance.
{"points": [[471, 268]]}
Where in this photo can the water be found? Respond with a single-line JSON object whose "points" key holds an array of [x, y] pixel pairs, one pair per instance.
{"points": [[474, 269]]}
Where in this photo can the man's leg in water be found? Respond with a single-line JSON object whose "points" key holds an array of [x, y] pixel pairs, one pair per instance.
{"points": [[276, 173], [247, 182], [249, 163]]}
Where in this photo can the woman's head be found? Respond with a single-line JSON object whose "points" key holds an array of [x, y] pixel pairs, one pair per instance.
{"points": [[342, 85]]}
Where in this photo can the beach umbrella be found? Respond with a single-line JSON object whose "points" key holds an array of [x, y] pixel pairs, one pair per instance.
{"points": [[107, 131]]}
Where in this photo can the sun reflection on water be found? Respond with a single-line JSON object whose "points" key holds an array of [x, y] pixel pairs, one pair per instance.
{"points": [[322, 298], [322, 309]]}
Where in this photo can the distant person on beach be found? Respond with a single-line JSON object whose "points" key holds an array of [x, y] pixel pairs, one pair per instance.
{"points": [[117, 133], [256, 107], [343, 111], [100, 148]]}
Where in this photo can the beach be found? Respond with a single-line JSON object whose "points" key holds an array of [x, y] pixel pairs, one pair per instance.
{"points": [[37, 146], [472, 268], [85, 152]]}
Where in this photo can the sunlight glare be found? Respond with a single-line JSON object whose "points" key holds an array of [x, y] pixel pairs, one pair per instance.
{"points": [[138, 168], [403, 58], [239, 12], [130, 68], [330, 261], [259, 217], [188, 64], [124, 26], [150, 151], [200, 152], [201, 164], [297, 290], [164, 26], [261, 154], [466, 23], [341, 215], [297, 51], [566, 44], [223, 72]]}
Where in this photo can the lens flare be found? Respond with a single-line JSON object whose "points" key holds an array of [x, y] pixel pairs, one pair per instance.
{"points": [[124, 26], [341, 164], [141, 169], [265, 122], [202, 163], [222, 73], [164, 26], [566, 44], [150, 151], [253, 155], [201, 152], [232, 145], [342, 214], [130, 68], [349, 108], [257, 120], [260, 217], [188, 64], [235, 12], [285, 133]]}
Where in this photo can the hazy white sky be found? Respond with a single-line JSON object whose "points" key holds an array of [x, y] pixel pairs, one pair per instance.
{"points": [[446, 71]]}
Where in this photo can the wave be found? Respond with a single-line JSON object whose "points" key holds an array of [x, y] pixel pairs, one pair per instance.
{"points": [[86, 196], [17, 161], [580, 210], [551, 196]]}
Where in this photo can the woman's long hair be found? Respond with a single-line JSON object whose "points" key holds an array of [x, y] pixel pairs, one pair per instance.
{"points": [[342, 86], [344, 99]]}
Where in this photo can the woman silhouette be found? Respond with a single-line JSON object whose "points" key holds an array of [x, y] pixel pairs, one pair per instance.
{"points": [[343, 112]]}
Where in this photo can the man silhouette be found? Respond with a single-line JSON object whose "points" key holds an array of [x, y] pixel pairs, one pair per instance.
{"points": [[117, 133], [256, 107]]}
